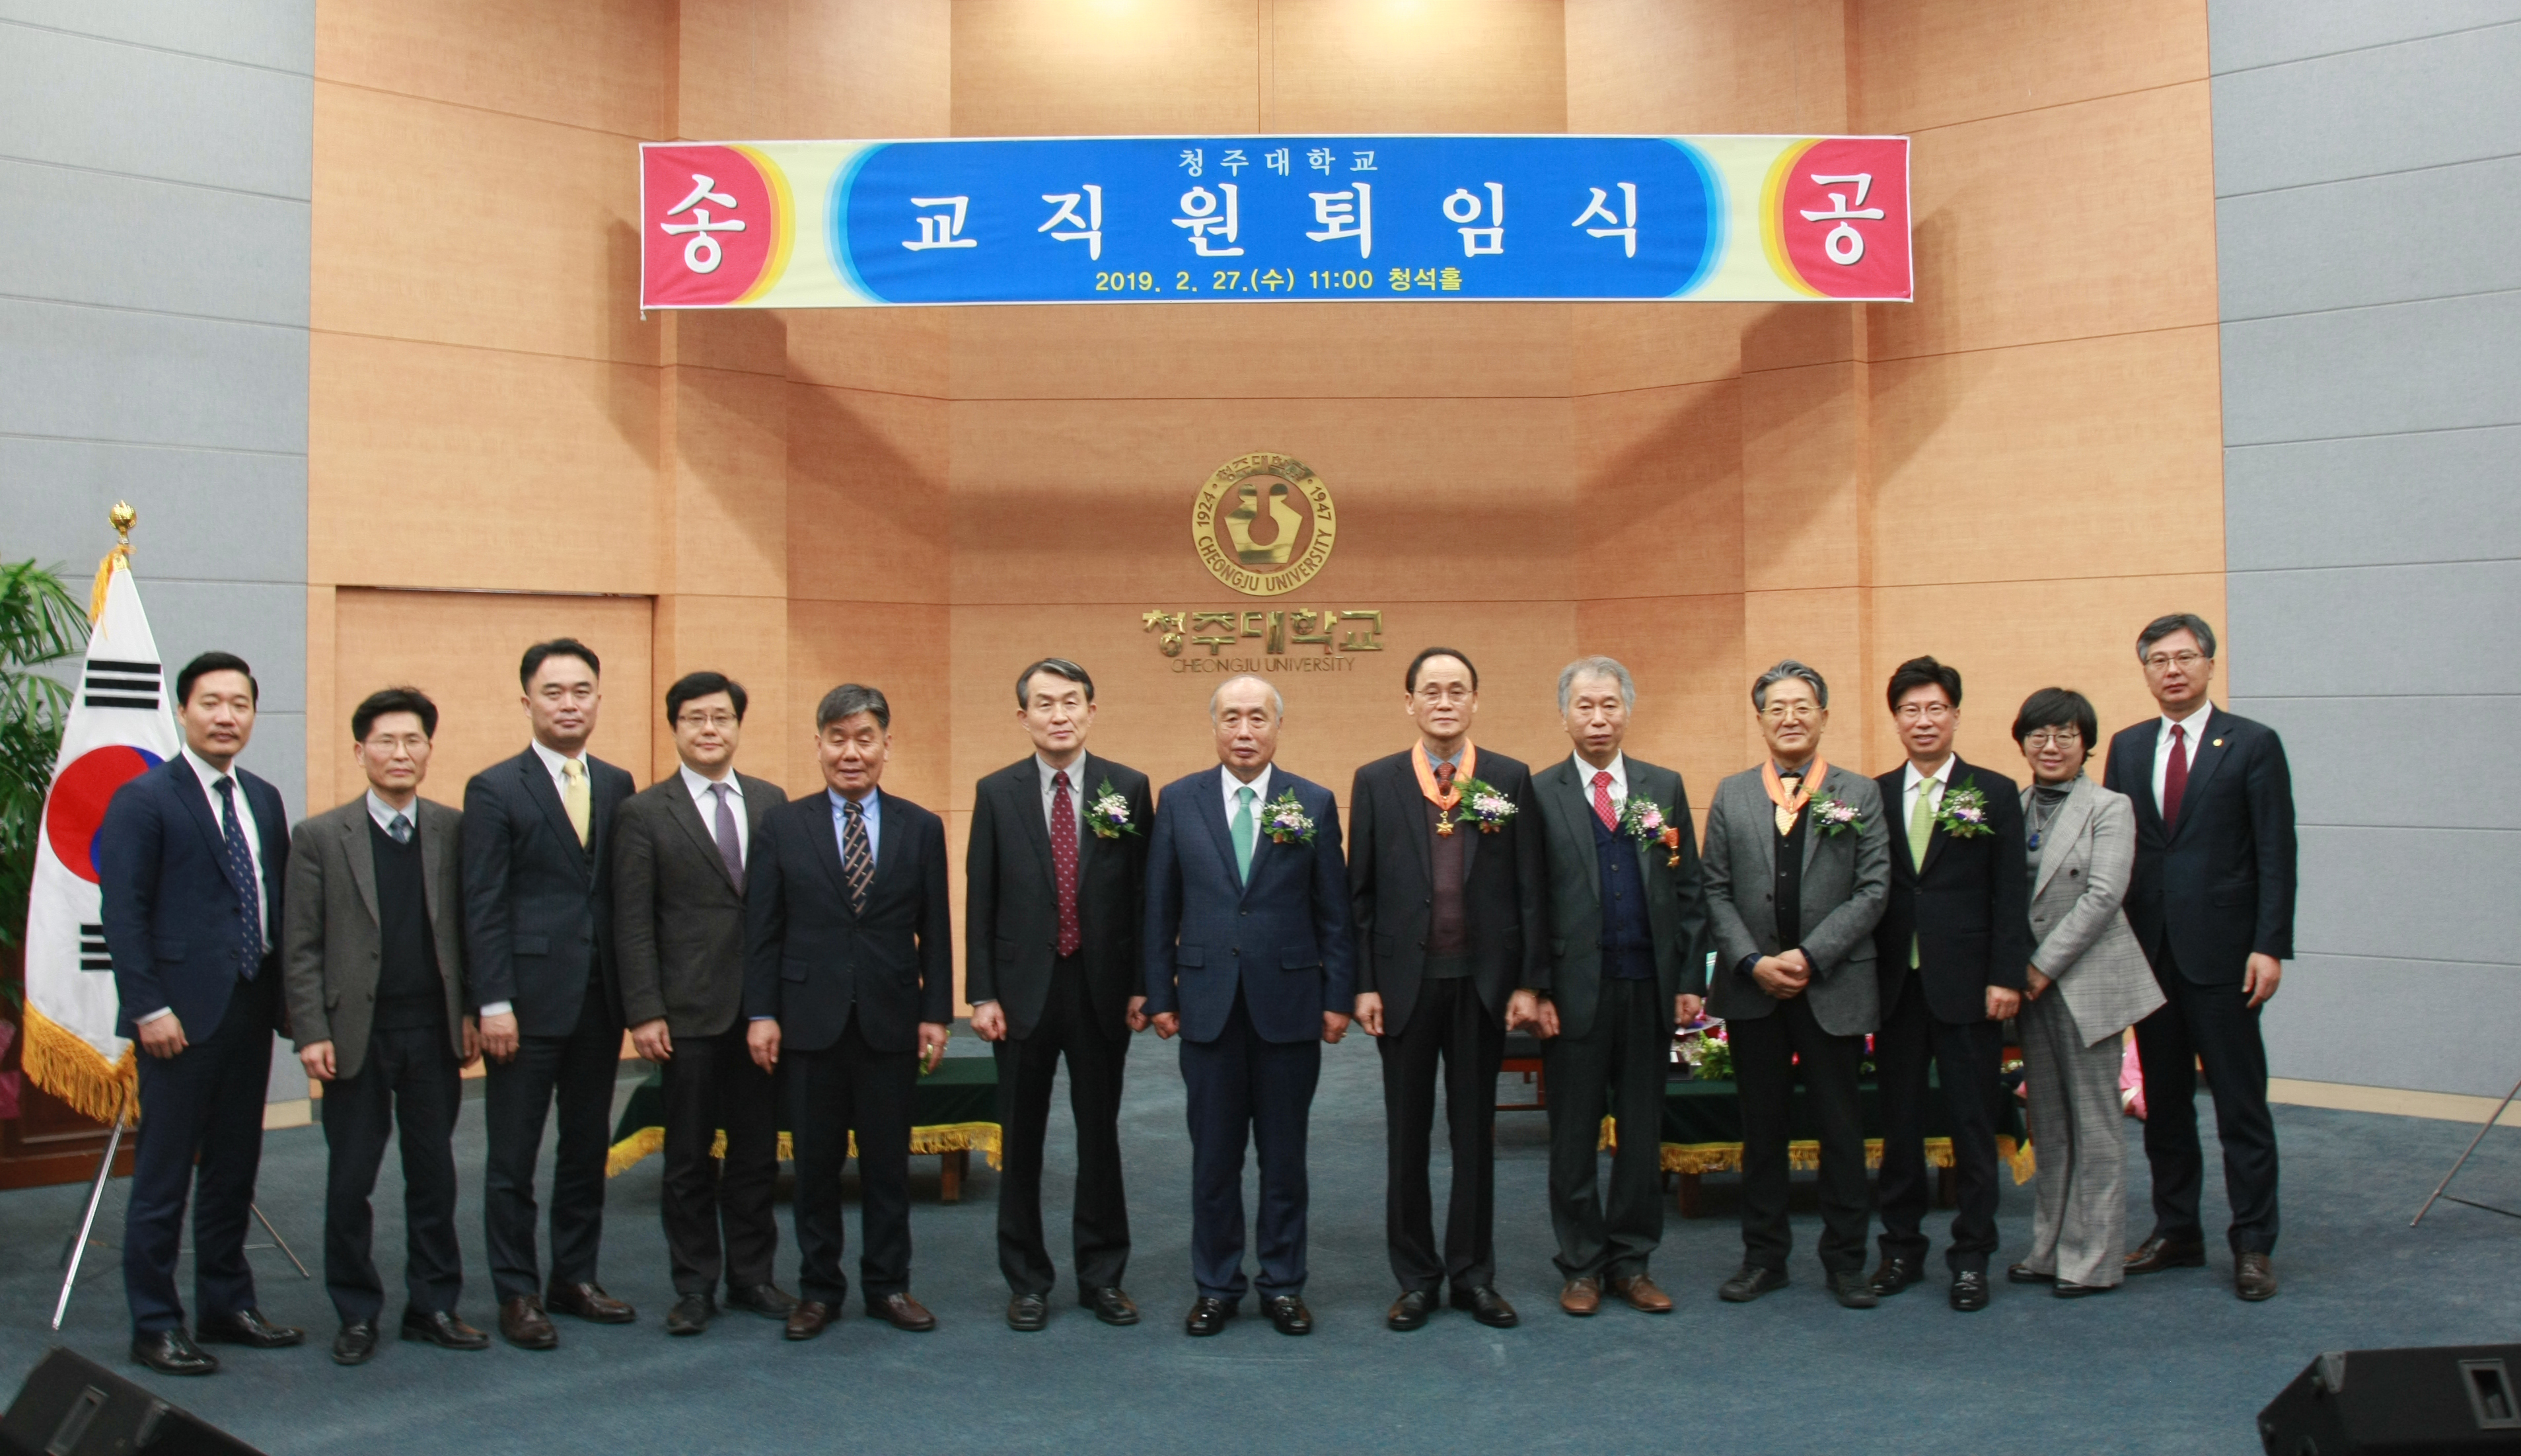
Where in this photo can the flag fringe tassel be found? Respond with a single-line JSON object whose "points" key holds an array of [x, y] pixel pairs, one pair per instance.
{"points": [[67, 1067]]}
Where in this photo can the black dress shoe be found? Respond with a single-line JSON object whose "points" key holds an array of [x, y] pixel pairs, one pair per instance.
{"points": [[1969, 1289], [2067, 1289], [1028, 1312], [1895, 1273], [522, 1324], [691, 1314], [1749, 1283], [443, 1328], [1853, 1290], [171, 1351], [1112, 1305], [357, 1344], [248, 1327], [1488, 1306], [2255, 1279], [587, 1300], [2025, 1274], [1289, 1314], [1208, 1316], [2158, 1254], [1409, 1311], [768, 1301]]}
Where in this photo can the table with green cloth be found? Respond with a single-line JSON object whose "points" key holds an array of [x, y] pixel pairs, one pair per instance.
{"points": [[953, 1114]]}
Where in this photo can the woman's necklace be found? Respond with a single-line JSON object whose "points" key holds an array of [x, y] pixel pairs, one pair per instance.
{"points": [[2041, 815]]}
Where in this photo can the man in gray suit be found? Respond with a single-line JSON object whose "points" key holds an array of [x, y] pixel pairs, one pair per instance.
{"points": [[1797, 869], [678, 858], [373, 958]]}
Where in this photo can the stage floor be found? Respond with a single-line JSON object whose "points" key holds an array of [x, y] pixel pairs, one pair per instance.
{"points": [[2171, 1363]]}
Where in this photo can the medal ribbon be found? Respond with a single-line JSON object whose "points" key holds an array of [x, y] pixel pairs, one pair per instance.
{"points": [[1446, 795], [1790, 805]]}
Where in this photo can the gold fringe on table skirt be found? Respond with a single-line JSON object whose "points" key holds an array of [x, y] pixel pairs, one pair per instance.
{"points": [[942, 1137], [1805, 1153]]}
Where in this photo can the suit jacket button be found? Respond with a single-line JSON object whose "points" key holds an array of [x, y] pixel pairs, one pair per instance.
{"points": [[1238, 950]]}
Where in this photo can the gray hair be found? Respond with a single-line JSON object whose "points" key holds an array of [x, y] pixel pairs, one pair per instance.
{"points": [[1277, 700], [2177, 621], [1779, 673], [1596, 667], [849, 700]]}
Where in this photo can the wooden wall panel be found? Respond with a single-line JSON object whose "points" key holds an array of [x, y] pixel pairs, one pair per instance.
{"points": [[1686, 655], [1659, 493], [597, 65], [871, 68], [1685, 67], [1338, 65], [1073, 67], [1922, 64], [867, 496], [747, 639], [898, 647]]}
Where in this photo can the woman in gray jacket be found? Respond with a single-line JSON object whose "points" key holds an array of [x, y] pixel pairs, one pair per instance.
{"points": [[2088, 982]]}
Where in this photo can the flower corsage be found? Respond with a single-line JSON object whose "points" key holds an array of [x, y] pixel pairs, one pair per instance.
{"points": [[1641, 819], [1106, 813], [1285, 821], [1835, 816], [1963, 814], [1484, 805]]}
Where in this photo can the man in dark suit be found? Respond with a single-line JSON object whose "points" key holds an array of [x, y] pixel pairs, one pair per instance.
{"points": [[1054, 900], [1628, 931], [374, 952], [537, 934], [1444, 875], [848, 973], [1249, 961], [679, 849], [1954, 954], [192, 857], [2211, 903]]}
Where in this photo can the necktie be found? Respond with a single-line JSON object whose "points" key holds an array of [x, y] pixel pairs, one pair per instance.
{"points": [[573, 798], [1921, 832], [1246, 832], [1063, 862], [1602, 802], [400, 831], [729, 847], [238, 860], [2174, 776], [857, 865]]}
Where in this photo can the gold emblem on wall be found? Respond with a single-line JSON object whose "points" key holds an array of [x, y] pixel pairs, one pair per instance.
{"points": [[1264, 524]]}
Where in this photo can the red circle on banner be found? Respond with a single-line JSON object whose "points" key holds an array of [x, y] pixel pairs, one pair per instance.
{"points": [[711, 225], [1826, 218], [80, 792]]}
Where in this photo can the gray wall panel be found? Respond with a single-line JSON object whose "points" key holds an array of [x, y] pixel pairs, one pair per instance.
{"points": [[2442, 364], [205, 514], [2397, 1023], [277, 34], [2426, 893], [2363, 631], [2433, 234], [262, 623], [154, 114], [2320, 732], [2418, 103], [2244, 34], [2450, 495], [81, 372], [137, 243]]}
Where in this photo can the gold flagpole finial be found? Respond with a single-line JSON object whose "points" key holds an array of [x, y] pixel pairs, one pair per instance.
{"points": [[124, 518]]}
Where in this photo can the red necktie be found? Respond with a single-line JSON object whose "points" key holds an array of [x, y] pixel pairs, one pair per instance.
{"points": [[2175, 777], [1063, 862], [1602, 802]]}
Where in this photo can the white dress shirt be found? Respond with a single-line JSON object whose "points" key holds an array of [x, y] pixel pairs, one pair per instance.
{"points": [[704, 791], [1260, 788], [2195, 726], [1619, 772], [1044, 770], [384, 813], [1930, 785]]}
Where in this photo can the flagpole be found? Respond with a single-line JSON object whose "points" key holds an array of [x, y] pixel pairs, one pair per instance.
{"points": [[87, 1221]]}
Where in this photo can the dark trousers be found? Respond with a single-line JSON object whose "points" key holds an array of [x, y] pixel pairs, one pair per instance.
{"points": [[1764, 1068], [204, 1103], [1621, 1062], [409, 1081], [1244, 1090], [1449, 1022], [1965, 1057], [577, 1072], [2217, 1026], [849, 1087], [711, 1084], [1099, 1221]]}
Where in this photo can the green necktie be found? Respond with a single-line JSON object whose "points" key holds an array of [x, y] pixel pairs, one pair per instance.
{"points": [[1246, 832], [1921, 831]]}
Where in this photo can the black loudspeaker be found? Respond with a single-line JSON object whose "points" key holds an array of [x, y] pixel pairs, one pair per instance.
{"points": [[73, 1406], [2399, 1402]]}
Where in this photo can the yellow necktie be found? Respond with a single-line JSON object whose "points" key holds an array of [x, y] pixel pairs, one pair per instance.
{"points": [[573, 798], [1921, 832]]}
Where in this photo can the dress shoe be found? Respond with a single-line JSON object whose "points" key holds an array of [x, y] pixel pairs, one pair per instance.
{"points": [[1749, 1283], [1642, 1295], [1581, 1297], [171, 1351], [2255, 1279], [1895, 1273], [1289, 1314], [1027, 1314], [2067, 1289], [1969, 1289], [1208, 1316], [587, 1300], [248, 1327], [1112, 1305], [768, 1301], [357, 1344], [691, 1314], [2158, 1254], [902, 1312], [443, 1328], [1852, 1290], [1409, 1311], [2025, 1274], [809, 1318], [522, 1324], [1488, 1306]]}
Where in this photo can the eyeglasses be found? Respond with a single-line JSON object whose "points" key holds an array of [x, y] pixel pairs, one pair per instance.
{"points": [[2063, 738], [2183, 661], [1910, 712]]}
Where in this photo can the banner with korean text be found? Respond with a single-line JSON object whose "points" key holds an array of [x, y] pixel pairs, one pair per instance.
{"points": [[1262, 219]]}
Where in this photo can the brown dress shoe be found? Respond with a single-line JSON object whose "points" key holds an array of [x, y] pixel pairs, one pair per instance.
{"points": [[522, 1324], [1581, 1297], [587, 1300], [2158, 1254], [2255, 1279], [902, 1312], [809, 1318], [1641, 1293]]}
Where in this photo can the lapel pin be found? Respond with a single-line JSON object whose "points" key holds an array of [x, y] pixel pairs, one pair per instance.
{"points": [[2219, 743]]}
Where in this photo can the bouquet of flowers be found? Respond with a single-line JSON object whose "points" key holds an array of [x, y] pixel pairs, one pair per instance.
{"points": [[1285, 821], [1106, 813], [1963, 814], [1835, 816], [1708, 1052], [1484, 805]]}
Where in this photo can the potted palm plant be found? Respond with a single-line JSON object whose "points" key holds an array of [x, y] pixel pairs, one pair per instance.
{"points": [[41, 625]]}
